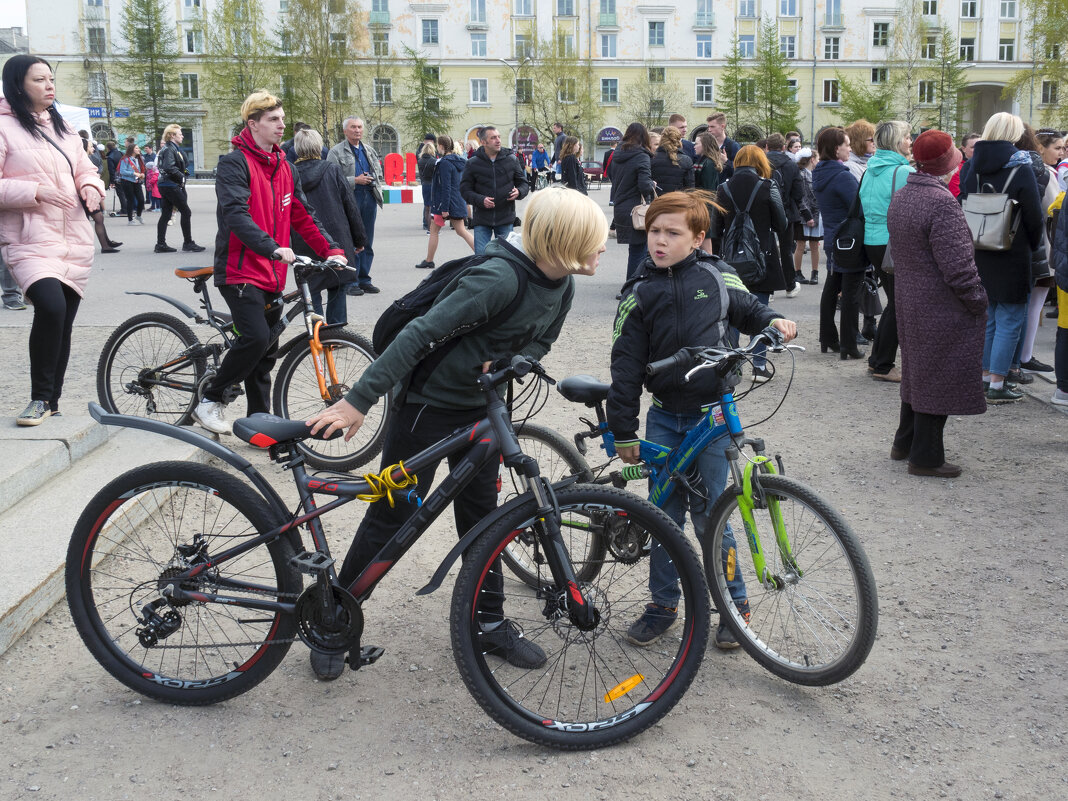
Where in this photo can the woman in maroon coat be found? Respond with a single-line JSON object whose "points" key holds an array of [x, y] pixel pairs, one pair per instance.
{"points": [[941, 308]]}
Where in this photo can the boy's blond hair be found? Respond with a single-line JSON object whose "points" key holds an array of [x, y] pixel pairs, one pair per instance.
{"points": [[563, 227], [257, 104]]}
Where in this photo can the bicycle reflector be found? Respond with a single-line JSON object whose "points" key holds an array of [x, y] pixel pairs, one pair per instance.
{"points": [[623, 688]]}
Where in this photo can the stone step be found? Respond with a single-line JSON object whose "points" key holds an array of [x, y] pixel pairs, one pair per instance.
{"points": [[36, 527]]}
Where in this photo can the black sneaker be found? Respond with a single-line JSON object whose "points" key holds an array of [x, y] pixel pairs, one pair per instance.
{"points": [[327, 667], [370, 289], [192, 247], [352, 289], [507, 641], [654, 623], [165, 249], [761, 374], [1035, 366], [425, 265], [725, 640], [1018, 376]]}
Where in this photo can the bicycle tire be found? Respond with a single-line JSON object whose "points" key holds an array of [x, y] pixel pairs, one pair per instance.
{"points": [[126, 541], [819, 627], [296, 396], [564, 703], [557, 459], [125, 383]]}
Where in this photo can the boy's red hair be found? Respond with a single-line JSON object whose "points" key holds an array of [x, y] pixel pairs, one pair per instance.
{"points": [[693, 205]]}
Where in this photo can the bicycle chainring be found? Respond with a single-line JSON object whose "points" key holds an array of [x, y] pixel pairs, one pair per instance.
{"points": [[335, 637], [627, 541]]}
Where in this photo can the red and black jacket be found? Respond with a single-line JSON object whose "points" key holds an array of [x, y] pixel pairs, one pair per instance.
{"points": [[259, 198]]}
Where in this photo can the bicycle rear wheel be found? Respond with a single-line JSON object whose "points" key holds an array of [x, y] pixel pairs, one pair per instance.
{"points": [[557, 459], [814, 620], [594, 688], [297, 396], [150, 525], [144, 369]]}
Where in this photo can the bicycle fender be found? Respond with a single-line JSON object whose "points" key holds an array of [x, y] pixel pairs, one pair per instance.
{"points": [[467, 540], [186, 310], [187, 435]]}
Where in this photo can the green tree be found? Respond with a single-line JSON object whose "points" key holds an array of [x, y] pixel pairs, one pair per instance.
{"points": [[909, 64], [376, 84], [427, 99], [97, 60], [736, 94], [148, 82], [950, 80], [776, 106], [650, 98], [239, 57], [561, 88], [1046, 39], [859, 100]]}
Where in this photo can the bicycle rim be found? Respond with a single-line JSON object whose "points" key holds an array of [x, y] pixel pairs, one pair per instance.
{"points": [[595, 688], [813, 621], [150, 525]]}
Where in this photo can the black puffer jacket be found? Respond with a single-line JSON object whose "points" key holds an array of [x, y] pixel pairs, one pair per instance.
{"points": [[790, 186], [571, 174], [767, 214], [691, 303], [631, 181], [671, 177], [334, 206], [496, 178]]}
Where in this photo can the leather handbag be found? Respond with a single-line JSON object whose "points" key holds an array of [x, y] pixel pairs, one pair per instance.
{"points": [[849, 238], [992, 217], [888, 260], [637, 214]]}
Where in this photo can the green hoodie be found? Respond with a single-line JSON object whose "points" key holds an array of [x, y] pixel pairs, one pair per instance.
{"points": [[469, 301], [875, 192]]}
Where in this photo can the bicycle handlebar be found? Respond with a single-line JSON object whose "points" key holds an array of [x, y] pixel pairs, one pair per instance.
{"points": [[321, 266], [516, 367], [716, 357]]}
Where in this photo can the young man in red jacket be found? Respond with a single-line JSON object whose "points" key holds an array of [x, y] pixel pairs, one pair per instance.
{"points": [[259, 198]]}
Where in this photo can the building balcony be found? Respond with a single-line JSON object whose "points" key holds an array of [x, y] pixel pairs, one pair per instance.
{"points": [[607, 21], [379, 18], [704, 20], [477, 25]]}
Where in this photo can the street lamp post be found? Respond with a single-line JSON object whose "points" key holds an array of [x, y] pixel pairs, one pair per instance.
{"points": [[515, 94]]}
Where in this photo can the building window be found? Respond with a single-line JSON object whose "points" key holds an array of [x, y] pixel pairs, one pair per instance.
{"points": [[831, 48], [1053, 52], [479, 91], [190, 83], [154, 87], [704, 45], [430, 32], [656, 107], [704, 91], [929, 48], [1049, 93], [747, 46], [609, 90], [830, 91], [880, 75], [746, 8], [788, 46], [338, 44], [96, 3], [380, 44], [787, 8], [433, 74], [431, 104], [834, 14], [880, 34], [565, 8], [383, 88], [478, 44], [969, 9], [97, 40], [524, 46], [1008, 9], [339, 90], [656, 34], [747, 90], [380, 6], [967, 49], [188, 3], [608, 45], [285, 86], [705, 15], [608, 6], [565, 45], [566, 90], [194, 42], [657, 74], [385, 140], [792, 83], [1007, 50], [929, 8], [524, 90], [283, 6], [926, 93], [98, 85], [478, 10], [524, 8]]}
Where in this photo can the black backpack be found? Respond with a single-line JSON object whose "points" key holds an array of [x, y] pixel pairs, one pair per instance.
{"points": [[741, 245]]}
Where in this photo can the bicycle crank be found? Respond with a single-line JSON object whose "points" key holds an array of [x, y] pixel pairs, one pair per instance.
{"points": [[332, 631]]}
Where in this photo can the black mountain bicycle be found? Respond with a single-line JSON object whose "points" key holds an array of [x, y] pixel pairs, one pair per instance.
{"points": [[154, 366], [189, 586]]}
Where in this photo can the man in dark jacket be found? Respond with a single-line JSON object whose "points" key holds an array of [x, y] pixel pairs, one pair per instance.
{"points": [[717, 126], [787, 175], [259, 199], [491, 183]]}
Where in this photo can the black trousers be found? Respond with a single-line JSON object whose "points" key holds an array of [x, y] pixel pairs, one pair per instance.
{"points": [[252, 357], [920, 435], [884, 346], [54, 307], [786, 257], [135, 201], [413, 428], [174, 198], [848, 284]]}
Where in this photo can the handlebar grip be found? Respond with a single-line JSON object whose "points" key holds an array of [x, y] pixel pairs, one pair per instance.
{"points": [[659, 366]]}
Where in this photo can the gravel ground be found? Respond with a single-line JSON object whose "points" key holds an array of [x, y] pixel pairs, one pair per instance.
{"points": [[962, 696]]}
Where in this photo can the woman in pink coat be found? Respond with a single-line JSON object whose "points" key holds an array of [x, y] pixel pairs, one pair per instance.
{"points": [[45, 236]]}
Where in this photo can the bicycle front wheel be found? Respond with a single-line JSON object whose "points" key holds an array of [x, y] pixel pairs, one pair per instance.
{"points": [[297, 396], [557, 459], [150, 525], [594, 687], [145, 370], [813, 618]]}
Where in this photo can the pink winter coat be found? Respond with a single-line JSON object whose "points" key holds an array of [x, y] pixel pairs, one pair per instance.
{"points": [[41, 240]]}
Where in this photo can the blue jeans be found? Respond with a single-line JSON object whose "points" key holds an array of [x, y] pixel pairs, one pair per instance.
{"points": [[758, 355], [483, 234], [636, 251], [1004, 322], [669, 428], [365, 201], [336, 309], [10, 289]]}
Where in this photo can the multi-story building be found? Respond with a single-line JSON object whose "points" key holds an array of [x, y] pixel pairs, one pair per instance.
{"points": [[621, 43]]}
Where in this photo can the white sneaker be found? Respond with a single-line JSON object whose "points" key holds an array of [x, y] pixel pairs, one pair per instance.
{"points": [[210, 415], [793, 293], [1059, 398]]}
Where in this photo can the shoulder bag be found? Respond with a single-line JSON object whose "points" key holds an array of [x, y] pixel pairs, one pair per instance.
{"points": [[849, 238], [888, 261], [993, 217], [637, 214]]}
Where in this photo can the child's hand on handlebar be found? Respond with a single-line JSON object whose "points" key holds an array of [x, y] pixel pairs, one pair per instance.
{"points": [[788, 328], [628, 453], [342, 415]]}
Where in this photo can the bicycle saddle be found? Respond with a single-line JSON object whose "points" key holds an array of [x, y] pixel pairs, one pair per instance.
{"points": [[583, 389], [194, 272], [265, 430]]}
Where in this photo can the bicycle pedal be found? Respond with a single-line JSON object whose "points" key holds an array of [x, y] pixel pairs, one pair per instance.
{"points": [[312, 562], [369, 654]]}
